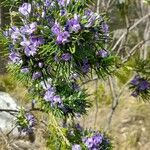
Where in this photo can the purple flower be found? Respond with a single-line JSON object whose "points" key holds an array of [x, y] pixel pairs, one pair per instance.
{"points": [[15, 57], [66, 56], [102, 53], [36, 75], [89, 142], [30, 50], [105, 27], [88, 12], [29, 29], [28, 124], [56, 29], [47, 84], [53, 99], [86, 66], [25, 9], [50, 93], [62, 12], [144, 85], [47, 3], [36, 41], [135, 94], [25, 70], [73, 25], [15, 35], [61, 2], [97, 139], [78, 127], [31, 123], [136, 80], [56, 100], [76, 147], [62, 37], [93, 142], [91, 17], [40, 64]]}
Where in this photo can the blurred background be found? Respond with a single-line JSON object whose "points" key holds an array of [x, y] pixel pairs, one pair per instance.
{"points": [[114, 110]]}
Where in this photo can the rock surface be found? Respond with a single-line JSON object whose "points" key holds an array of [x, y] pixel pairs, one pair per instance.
{"points": [[7, 119]]}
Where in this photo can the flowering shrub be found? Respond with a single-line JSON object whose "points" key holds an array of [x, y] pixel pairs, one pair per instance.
{"points": [[140, 85], [55, 44], [81, 138], [25, 122]]}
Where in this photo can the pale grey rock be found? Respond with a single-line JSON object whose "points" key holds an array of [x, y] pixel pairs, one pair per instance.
{"points": [[7, 119]]}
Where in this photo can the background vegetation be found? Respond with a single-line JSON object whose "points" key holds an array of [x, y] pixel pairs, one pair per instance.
{"points": [[114, 109]]}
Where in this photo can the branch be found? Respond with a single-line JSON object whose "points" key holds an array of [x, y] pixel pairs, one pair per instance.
{"points": [[15, 110], [115, 104], [133, 50], [131, 28]]}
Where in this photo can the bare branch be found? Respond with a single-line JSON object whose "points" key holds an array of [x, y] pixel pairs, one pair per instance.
{"points": [[131, 28]]}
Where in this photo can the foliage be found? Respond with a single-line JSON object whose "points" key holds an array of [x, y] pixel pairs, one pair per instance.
{"points": [[141, 82], [52, 45]]}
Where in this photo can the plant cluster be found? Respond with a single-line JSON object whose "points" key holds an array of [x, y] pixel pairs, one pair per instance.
{"points": [[53, 45], [140, 85]]}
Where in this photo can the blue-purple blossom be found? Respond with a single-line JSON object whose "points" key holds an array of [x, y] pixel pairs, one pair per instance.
{"points": [[91, 17], [47, 84], [15, 57], [144, 85], [62, 37], [66, 56], [63, 2], [30, 50], [136, 80], [57, 100], [56, 29], [135, 93], [63, 12], [51, 97], [73, 25], [105, 27], [15, 33], [36, 41], [29, 29], [40, 64], [102, 53], [24, 70], [47, 3], [78, 127], [50, 93], [93, 142], [28, 125], [25, 9], [140, 85], [31, 47], [31, 123], [36, 75], [76, 147], [86, 66]]}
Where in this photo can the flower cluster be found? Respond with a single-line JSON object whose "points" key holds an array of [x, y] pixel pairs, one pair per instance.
{"points": [[93, 142], [51, 97], [88, 139], [52, 31], [140, 86], [25, 122], [60, 40]]}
